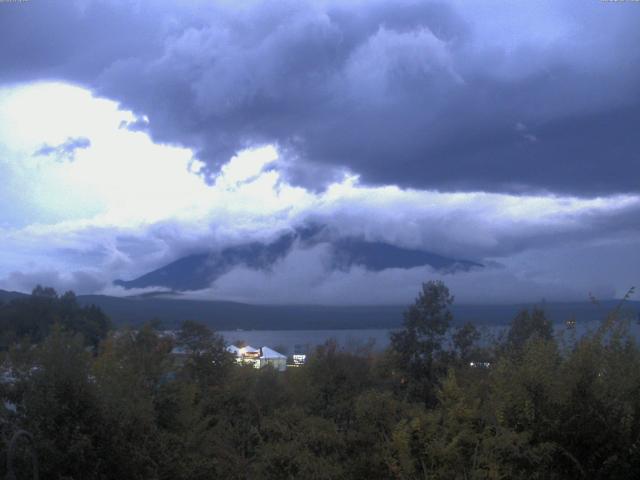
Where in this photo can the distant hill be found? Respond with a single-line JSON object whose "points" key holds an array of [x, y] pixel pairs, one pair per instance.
{"points": [[199, 271], [8, 296], [231, 315]]}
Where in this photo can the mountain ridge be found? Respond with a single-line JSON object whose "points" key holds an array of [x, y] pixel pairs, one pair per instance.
{"points": [[228, 315], [198, 271]]}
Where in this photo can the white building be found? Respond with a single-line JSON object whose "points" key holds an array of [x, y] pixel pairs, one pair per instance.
{"points": [[259, 358], [299, 359], [273, 358]]}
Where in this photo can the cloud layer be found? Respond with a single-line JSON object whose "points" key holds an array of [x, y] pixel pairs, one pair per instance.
{"points": [[496, 96], [500, 132]]}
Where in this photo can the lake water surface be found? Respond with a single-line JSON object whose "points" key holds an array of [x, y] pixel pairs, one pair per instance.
{"points": [[286, 341]]}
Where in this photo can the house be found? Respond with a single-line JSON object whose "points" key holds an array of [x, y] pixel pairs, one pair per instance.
{"points": [[259, 358], [273, 358], [299, 355]]}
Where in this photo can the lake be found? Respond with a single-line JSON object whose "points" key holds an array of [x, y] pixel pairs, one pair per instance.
{"points": [[286, 341]]}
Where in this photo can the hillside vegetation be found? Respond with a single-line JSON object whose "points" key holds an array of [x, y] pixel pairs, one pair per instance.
{"points": [[530, 405]]}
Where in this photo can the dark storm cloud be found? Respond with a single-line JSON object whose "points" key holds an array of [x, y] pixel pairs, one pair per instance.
{"points": [[66, 150], [73, 40], [538, 96]]}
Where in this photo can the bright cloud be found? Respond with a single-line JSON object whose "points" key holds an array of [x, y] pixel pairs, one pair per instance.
{"points": [[91, 200]]}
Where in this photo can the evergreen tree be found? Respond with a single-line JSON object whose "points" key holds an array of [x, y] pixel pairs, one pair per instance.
{"points": [[418, 346]]}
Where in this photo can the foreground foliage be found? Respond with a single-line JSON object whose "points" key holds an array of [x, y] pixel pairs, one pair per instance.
{"points": [[530, 406]]}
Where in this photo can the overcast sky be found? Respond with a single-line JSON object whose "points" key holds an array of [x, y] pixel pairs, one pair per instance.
{"points": [[133, 133]]}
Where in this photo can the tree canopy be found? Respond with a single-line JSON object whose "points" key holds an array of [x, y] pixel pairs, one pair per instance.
{"points": [[32, 318], [438, 403]]}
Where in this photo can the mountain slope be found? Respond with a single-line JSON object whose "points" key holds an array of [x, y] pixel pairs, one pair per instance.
{"points": [[199, 271], [377, 256], [196, 272], [6, 296]]}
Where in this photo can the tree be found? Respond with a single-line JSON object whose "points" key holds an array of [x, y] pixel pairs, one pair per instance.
{"points": [[465, 339], [44, 292], [525, 326], [335, 377], [59, 406], [194, 336], [33, 317], [129, 374], [418, 346], [208, 360]]}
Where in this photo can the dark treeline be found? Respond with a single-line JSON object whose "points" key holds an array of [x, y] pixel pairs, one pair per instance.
{"points": [[30, 318], [119, 405]]}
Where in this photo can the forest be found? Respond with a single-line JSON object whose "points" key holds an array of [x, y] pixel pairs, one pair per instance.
{"points": [[95, 402]]}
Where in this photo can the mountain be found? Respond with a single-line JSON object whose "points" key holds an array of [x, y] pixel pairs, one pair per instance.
{"points": [[199, 271], [6, 296], [377, 256]]}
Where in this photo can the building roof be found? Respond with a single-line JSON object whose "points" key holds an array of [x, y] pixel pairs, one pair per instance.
{"points": [[241, 351], [270, 353]]}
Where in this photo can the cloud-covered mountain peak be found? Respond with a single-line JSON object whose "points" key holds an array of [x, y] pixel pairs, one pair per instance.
{"points": [[198, 271]]}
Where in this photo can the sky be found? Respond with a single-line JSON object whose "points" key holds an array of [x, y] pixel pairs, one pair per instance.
{"points": [[134, 133]]}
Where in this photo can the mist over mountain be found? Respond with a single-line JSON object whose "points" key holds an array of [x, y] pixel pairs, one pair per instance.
{"points": [[199, 271]]}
